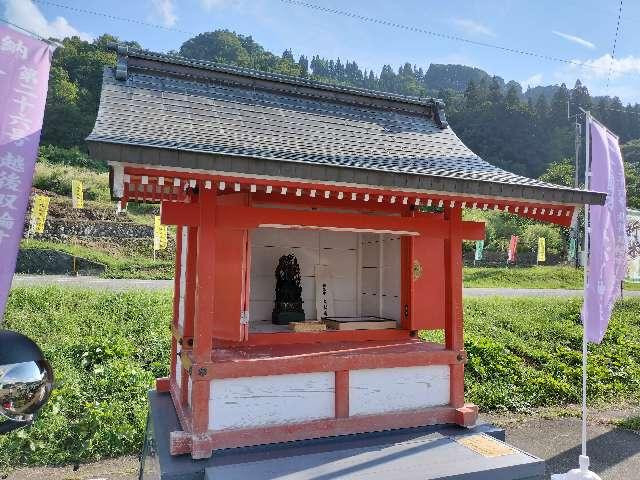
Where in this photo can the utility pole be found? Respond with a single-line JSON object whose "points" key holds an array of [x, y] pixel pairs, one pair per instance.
{"points": [[574, 233]]}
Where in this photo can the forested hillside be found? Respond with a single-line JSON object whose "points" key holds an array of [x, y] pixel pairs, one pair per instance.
{"points": [[524, 132]]}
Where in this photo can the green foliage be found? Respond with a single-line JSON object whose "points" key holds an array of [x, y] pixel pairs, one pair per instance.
{"points": [[125, 263], [530, 277], [57, 177], [71, 157], [553, 240], [525, 353], [560, 173], [631, 151], [105, 349]]}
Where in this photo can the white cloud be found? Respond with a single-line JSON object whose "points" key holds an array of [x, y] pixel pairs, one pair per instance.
{"points": [[574, 39], [532, 81], [214, 4], [472, 27], [28, 16], [600, 67], [165, 10]]}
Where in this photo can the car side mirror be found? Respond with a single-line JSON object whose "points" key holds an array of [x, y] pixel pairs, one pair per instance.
{"points": [[26, 380]]}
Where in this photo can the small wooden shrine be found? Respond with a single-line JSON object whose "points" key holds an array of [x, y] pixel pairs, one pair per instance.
{"points": [[366, 189]]}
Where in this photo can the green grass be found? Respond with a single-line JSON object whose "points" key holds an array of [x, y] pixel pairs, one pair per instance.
{"points": [[528, 277], [631, 423], [119, 263], [55, 177], [106, 349]]}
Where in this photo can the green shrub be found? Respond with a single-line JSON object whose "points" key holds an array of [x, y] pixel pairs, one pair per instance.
{"points": [[57, 178], [106, 349], [553, 239], [72, 157]]}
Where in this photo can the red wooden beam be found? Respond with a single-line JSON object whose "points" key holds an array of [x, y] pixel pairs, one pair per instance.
{"points": [[331, 427]]}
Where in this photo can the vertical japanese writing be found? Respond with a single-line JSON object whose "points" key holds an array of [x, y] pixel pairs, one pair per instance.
{"points": [[24, 72]]}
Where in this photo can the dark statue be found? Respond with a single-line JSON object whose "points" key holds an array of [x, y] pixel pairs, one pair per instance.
{"points": [[288, 304]]}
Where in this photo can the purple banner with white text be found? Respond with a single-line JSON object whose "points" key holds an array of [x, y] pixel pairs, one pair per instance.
{"points": [[24, 75], [606, 265]]}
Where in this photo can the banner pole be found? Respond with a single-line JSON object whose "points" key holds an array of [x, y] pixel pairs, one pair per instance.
{"points": [[587, 181]]}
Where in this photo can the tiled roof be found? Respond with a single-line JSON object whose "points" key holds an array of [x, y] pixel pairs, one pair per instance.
{"points": [[169, 103]]}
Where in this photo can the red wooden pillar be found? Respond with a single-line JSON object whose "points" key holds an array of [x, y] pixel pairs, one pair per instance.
{"points": [[453, 326], [203, 323], [406, 279]]}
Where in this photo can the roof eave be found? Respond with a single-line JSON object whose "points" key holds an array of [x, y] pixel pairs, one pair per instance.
{"points": [[158, 157]]}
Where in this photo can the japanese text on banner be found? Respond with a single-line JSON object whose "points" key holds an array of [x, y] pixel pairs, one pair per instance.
{"points": [[77, 194], [542, 247], [24, 75], [159, 234], [39, 213]]}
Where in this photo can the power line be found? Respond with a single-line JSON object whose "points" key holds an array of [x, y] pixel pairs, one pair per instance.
{"points": [[113, 17], [615, 41], [38, 36], [444, 36]]}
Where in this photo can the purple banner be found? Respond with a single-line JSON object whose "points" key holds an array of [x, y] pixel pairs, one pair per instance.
{"points": [[24, 75], [608, 245]]}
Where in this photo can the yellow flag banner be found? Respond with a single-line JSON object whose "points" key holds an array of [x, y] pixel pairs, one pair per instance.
{"points": [[77, 194], [542, 254], [39, 213], [159, 234]]}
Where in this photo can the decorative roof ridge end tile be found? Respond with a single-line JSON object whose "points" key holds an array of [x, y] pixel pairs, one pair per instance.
{"points": [[434, 107]]}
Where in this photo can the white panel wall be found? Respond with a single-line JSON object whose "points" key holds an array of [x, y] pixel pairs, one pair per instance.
{"points": [[338, 250], [271, 400], [178, 370], [384, 390], [365, 270]]}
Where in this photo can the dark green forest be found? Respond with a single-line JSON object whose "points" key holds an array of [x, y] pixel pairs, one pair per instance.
{"points": [[525, 132]]}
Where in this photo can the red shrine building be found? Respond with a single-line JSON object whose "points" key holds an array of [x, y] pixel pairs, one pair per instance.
{"points": [[366, 189]]}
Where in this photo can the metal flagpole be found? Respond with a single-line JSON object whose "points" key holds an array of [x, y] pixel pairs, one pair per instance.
{"points": [[583, 473], [587, 182]]}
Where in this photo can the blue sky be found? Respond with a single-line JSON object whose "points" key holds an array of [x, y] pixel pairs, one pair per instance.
{"points": [[569, 29]]}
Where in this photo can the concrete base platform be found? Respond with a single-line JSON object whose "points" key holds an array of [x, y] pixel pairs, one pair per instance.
{"points": [[427, 453]]}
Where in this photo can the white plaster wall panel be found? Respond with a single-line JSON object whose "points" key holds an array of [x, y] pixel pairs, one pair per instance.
{"points": [[382, 390], [263, 287], [370, 246], [341, 263], [391, 307], [370, 280], [370, 305], [260, 310], [271, 400], [189, 389], [345, 309], [344, 289], [338, 240], [265, 237]]}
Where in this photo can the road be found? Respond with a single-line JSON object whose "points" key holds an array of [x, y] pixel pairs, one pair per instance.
{"points": [[130, 284]]}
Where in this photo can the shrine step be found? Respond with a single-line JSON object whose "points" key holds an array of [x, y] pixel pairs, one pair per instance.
{"points": [[429, 457], [427, 453]]}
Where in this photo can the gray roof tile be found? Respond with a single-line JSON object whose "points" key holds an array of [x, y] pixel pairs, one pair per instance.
{"points": [[161, 108]]}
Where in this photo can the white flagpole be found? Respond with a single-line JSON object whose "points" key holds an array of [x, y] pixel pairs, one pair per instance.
{"points": [[583, 473], [587, 183]]}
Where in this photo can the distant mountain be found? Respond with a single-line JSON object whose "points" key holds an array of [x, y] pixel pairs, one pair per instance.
{"points": [[547, 91], [456, 77]]}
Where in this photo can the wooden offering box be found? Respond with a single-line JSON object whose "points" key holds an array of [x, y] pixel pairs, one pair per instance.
{"points": [[366, 189]]}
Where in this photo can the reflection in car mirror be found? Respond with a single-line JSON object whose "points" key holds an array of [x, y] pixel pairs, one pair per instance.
{"points": [[26, 380]]}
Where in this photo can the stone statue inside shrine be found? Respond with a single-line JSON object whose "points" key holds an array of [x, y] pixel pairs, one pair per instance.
{"points": [[288, 304]]}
